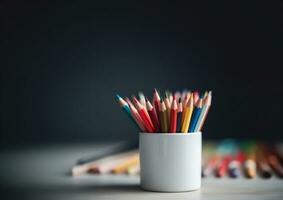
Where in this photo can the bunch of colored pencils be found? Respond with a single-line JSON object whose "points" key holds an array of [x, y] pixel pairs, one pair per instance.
{"points": [[222, 159], [244, 159], [174, 113]]}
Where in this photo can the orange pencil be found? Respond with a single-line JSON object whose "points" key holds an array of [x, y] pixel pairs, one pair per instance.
{"points": [[147, 121], [173, 116]]}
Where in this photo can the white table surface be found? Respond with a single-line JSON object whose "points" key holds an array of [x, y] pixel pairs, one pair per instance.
{"points": [[41, 173]]}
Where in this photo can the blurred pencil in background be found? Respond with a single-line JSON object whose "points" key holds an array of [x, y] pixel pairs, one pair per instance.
{"points": [[226, 158], [236, 164], [250, 163], [126, 164]]}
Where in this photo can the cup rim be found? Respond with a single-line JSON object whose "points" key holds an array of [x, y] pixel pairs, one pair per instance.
{"points": [[171, 134]]}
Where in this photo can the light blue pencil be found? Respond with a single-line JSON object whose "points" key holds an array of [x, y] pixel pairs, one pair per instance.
{"points": [[206, 103]]}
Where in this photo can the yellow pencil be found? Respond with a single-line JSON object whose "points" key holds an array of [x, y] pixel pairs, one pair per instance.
{"points": [[123, 167], [188, 114], [185, 102], [134, 169]]}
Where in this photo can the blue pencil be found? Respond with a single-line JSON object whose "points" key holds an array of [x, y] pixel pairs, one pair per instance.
{"points": [[195, 116], [125, 107]]}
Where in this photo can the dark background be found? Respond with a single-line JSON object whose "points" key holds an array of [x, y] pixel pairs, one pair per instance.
{"points": [[61, 66]]}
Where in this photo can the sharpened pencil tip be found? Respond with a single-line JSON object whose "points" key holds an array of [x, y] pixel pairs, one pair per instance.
{"points": [[118, 97]]}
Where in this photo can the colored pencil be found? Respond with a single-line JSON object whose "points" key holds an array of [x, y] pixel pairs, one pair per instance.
{"points": [[94, 165], [188, 114], [136, 101], [195, 115], [196, 97], [125, 107], [222, 168], [274, 162], [250, 168], [134, 170], [123, 166], [171, 98], [263, 167], [173, 117], [204, 94], [107, 164], [168, 109], [279, 151], [235, 165], [156, 103], [210, 166], [169, 95], [179, 116], [177, 94], [136, 116], [153, 116], [249, 165], [204, 112], [144, 116], [185, 102], [142, 98], [163, 117], [184, 94]]}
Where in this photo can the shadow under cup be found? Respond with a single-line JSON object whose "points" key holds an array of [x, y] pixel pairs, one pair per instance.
{"points": [[170, 162]]}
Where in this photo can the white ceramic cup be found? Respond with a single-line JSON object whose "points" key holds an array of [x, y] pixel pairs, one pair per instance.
{"points": [[170, 162]]}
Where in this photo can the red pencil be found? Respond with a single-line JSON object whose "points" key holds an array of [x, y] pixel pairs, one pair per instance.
{"points": [[143, 113], [210, 166], [153, 115], [136, 115], [173, 116], [223, 166], [144, 106]]}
